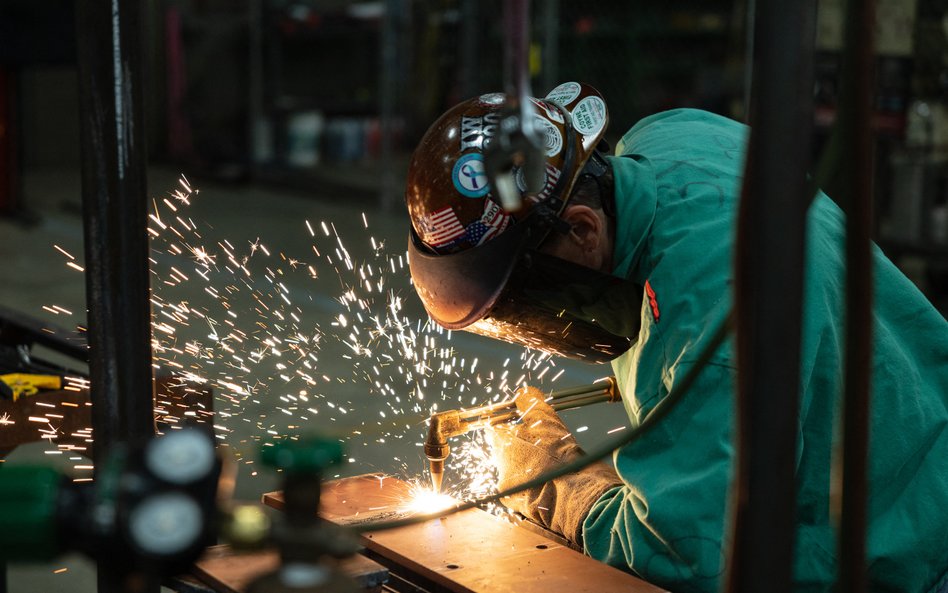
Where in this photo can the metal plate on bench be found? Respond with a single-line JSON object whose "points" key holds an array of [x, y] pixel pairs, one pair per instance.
{"points": [[470, 551]]}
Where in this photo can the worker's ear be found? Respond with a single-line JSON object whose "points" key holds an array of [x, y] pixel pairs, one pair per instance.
{"points": [[587, 227]]}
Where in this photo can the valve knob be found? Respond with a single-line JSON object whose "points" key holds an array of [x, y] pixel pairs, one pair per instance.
{"points": [[306, 455], [29, 498]]}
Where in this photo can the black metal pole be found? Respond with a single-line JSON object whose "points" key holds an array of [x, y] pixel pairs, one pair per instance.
{"points": [[517, 49], [550, 11], [768, 298], [469, 49], [388, 92], [857, 200], [109, 37]]}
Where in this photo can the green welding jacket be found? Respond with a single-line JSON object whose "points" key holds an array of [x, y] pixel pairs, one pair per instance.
{"points": [[678, 177]]}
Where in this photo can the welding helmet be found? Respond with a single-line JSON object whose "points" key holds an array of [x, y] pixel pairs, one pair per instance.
{"points": [[477, 267]]}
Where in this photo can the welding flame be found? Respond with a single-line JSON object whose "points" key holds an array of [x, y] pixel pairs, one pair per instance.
{"points": [[426, 500]]}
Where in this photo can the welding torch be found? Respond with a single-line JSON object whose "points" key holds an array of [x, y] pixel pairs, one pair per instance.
{"points": [[452, 423]]}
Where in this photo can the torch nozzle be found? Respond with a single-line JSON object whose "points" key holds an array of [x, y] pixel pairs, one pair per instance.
{"points": [[436, 467], [441, 426]]}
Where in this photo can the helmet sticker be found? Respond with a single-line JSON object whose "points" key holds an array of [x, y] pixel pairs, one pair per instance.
{"points": [[589, 116], [553, 114], [493, 221], [469, 176], [441, 227], [476, 130], [552, 139], [492, 98], [552, 176], [565, 93]]}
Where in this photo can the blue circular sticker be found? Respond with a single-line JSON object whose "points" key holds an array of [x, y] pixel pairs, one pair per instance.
{"points": [[470, 177]]}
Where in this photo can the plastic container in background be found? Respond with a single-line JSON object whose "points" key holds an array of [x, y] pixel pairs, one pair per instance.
{"points": [[938, 229], [303, 137]]}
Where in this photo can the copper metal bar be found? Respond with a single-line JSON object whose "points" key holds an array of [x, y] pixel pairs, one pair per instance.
{"points": [[231, 571], [470, 552], [768, 298], [62, 417]]}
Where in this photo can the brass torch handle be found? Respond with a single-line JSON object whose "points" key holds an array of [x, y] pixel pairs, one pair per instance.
{"points": [[564, 399], [579, 402], [600, 391]]}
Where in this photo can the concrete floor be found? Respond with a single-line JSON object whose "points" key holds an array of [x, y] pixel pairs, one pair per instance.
{"points": [[367, 384]]}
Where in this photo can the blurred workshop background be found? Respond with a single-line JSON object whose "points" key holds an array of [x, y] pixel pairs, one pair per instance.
{"points": [[285, 111], [331, 95]]}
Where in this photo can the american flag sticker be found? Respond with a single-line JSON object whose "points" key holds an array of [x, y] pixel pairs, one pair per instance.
{"points": [[493, 221], [441, 227]]}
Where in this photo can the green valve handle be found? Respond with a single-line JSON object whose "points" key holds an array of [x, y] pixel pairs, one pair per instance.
{"points": [[28, 504], [309, 455]]}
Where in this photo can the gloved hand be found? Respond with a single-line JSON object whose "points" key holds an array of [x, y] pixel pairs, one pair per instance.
{"points": [[537, 443]]}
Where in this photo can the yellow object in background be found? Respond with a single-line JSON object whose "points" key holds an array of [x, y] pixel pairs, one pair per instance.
{"points": [[535, 59], [25, 384]]}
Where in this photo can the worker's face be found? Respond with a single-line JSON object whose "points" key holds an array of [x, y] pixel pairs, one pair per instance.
{"points": [[588, 243]]}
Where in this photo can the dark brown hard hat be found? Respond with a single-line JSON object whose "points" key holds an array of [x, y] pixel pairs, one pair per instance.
{"points": [[477, 267], [449, 200]]}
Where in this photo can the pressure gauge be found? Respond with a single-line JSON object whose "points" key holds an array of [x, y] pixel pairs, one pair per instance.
{"points": [[165, 524], [181, 456]]}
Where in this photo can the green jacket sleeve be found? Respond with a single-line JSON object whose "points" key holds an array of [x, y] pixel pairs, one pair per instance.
{"points": [[668, 521]]}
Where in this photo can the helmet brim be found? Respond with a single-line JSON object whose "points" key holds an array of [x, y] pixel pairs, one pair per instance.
{"points": [[507, 290], [458, 289]]}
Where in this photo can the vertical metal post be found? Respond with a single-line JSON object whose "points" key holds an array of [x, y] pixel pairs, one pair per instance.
{"points": [[551, 43], [751, 8], [469, 54], [517, 49], [258, 136], [856, 175], [114, 215], [769, 296], [9, 161], [388, 90]]}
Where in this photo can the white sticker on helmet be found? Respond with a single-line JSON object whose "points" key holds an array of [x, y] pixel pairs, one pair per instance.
{"points": [[551, 174], [553, 113], [552, 139], [491, 98], [589, 116], [565, 93]]}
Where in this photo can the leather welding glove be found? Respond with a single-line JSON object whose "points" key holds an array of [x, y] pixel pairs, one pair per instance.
{"points": [[537, 443]]}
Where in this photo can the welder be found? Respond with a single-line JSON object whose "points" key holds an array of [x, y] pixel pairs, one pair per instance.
{"points": [[628, 258]]}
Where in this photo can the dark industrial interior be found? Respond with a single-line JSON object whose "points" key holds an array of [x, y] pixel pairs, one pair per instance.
{"points": [[248, 188]]}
